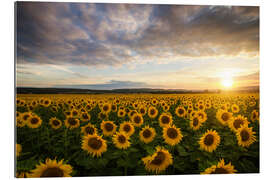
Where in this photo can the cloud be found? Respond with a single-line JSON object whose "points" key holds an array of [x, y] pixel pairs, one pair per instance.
{"points": [[88, 34]]}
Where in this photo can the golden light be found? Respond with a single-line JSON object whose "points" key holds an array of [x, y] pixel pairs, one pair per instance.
{"points": [[227, 83]]}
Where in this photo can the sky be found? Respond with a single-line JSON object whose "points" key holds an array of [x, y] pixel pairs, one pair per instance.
{"points": [[113, 46]]}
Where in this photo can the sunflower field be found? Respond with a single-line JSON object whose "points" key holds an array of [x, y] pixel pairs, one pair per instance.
{"points": [[63, 135]]}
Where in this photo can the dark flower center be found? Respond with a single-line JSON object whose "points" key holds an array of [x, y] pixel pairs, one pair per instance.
{"points": [[244, 135], [225, 116], [89, 130], [180, 111], [25, 117], [165, 119], [127, 128], [105, 108], [159, 159], [137, 119], [237, 123], [94, 143], [121, 139], [152, 111], [75, 113], [195, 122], [172, 133], [142, 111], [56, 122], [108, 126], [71, 121], [209, 139], [147, 133], [34, 120], [220, 171], [52, 172], [85, 116], [113, 107]]}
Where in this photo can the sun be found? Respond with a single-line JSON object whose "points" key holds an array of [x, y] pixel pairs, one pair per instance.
{"points": [[227, 82]]}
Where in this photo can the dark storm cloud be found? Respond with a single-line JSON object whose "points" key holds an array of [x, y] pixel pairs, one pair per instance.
{"points": [[115, 34]]}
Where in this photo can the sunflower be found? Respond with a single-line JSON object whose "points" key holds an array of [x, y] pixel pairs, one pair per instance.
{"points": [[220, 168], [147, 134], [235, 108], [159, 161], [114, 107], [74, 112], [142, 110], [137, 120], [34, 121], [202, 115], [223, 116], [94, 145], [209, 141], [180, 111], [25, 116], [106, 108], [195, 122], [51, 168], [254, 115], [85, 117], [121, 113], [131, 113], [201, 107], [18, 149], [152, 112], [108, 128], [46, 102], [165, 119], [88, 129], [166, 107], [72, 122], [121, 140], [172, 135], [19, 121], [236, 122], [127, 128], [245, 136], [55, 123]]}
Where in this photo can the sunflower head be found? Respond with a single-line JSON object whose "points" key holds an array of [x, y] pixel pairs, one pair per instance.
{"points": [[106, 108], [34, 121], [147, 134], [51, 168], [137, 119], [127, 127], [236, 122], [220, 168], [235, 108], [88, 129], [108, 128], [223, 117], [55, 123], [202, 115], [180, 111], [209, 141], [172, 135], [94, 145], [165, 119], [152, 112], [254, 115], [245, 136], [159, 161], [121, 140], [72, 122], [121, 113], [195, 122], [85, 116]]}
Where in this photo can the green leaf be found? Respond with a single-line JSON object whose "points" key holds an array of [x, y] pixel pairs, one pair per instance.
{"points": [[182, 150]]}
